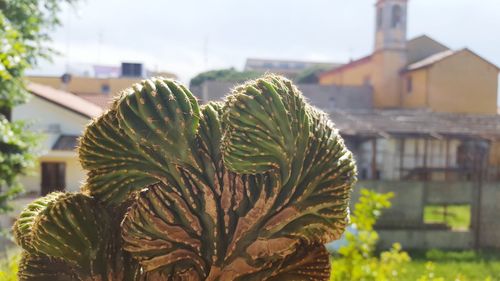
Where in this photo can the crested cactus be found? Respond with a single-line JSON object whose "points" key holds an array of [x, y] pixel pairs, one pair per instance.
{"points": [[246, 189]]}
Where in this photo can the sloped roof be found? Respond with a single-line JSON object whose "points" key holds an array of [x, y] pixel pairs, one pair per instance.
{"points": [[102, 100], [416, 122], [423, 46], [431, 60], [66, 100], [425, 37]]}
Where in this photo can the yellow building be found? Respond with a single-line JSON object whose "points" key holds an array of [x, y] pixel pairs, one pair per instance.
{"points": [[419, 73], [98, 90]]}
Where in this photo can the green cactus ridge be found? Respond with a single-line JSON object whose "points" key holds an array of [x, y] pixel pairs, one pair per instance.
{"points": [[249, 188]]}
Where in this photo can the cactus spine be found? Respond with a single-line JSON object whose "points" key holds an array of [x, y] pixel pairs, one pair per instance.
{"points": [[245, 189]]}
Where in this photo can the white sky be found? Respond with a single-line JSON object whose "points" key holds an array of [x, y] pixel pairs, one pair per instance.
{"points": [[189, 36]]}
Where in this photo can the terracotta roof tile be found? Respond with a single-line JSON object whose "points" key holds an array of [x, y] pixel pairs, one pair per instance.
{"points": [[101, 100], [65, 99]]}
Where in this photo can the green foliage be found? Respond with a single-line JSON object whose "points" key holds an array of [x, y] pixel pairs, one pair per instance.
{"points": [[23, 35], [357, 259], [246, 189], [18, 148], [230, 74]]}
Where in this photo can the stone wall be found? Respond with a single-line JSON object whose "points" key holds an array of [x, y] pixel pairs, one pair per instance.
{"points": [[403, 222]]}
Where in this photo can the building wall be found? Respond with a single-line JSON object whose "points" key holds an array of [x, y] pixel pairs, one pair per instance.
{"points": [[357, 75], [381, 71], [75, 174], [52, 121], [416, 96], [387, 82], [334, 97], [463, 83], [490, 222], [87, 85]]}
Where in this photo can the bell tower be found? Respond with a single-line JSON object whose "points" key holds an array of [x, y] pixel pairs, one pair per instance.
{"points": [[390, 54], [391, 23]]}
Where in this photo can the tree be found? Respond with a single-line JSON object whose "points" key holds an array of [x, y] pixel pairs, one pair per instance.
{"points": [[229, 74], [24, 27]]}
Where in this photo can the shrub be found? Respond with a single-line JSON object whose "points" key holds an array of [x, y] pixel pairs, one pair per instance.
{"points": [[357, 260]]}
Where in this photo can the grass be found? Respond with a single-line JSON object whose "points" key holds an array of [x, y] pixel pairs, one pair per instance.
{"points": [[466, 265], [456, 216]]}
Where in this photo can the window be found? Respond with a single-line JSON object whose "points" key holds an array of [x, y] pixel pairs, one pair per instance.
{"points": [[379, 18], [397, 14], [409, 85], [105, 88], [53, 177]]}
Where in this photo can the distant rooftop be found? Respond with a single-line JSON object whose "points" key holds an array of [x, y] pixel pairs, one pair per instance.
{"points": [[65, 99], [113, 71], [416, 122], [431, 60]]}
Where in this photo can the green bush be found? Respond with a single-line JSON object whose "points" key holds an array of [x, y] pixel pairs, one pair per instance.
{"points": [[358, 260]]}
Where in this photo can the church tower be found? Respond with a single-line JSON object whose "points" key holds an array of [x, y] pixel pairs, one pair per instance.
{"points": [[391, 22], [390, 54]]}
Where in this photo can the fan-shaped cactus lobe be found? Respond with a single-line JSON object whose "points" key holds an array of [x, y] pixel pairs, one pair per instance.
{"points": [[245, 189]]}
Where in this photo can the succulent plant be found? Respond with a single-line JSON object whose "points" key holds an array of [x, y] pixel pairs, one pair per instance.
{"points": [[246, 189]]}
